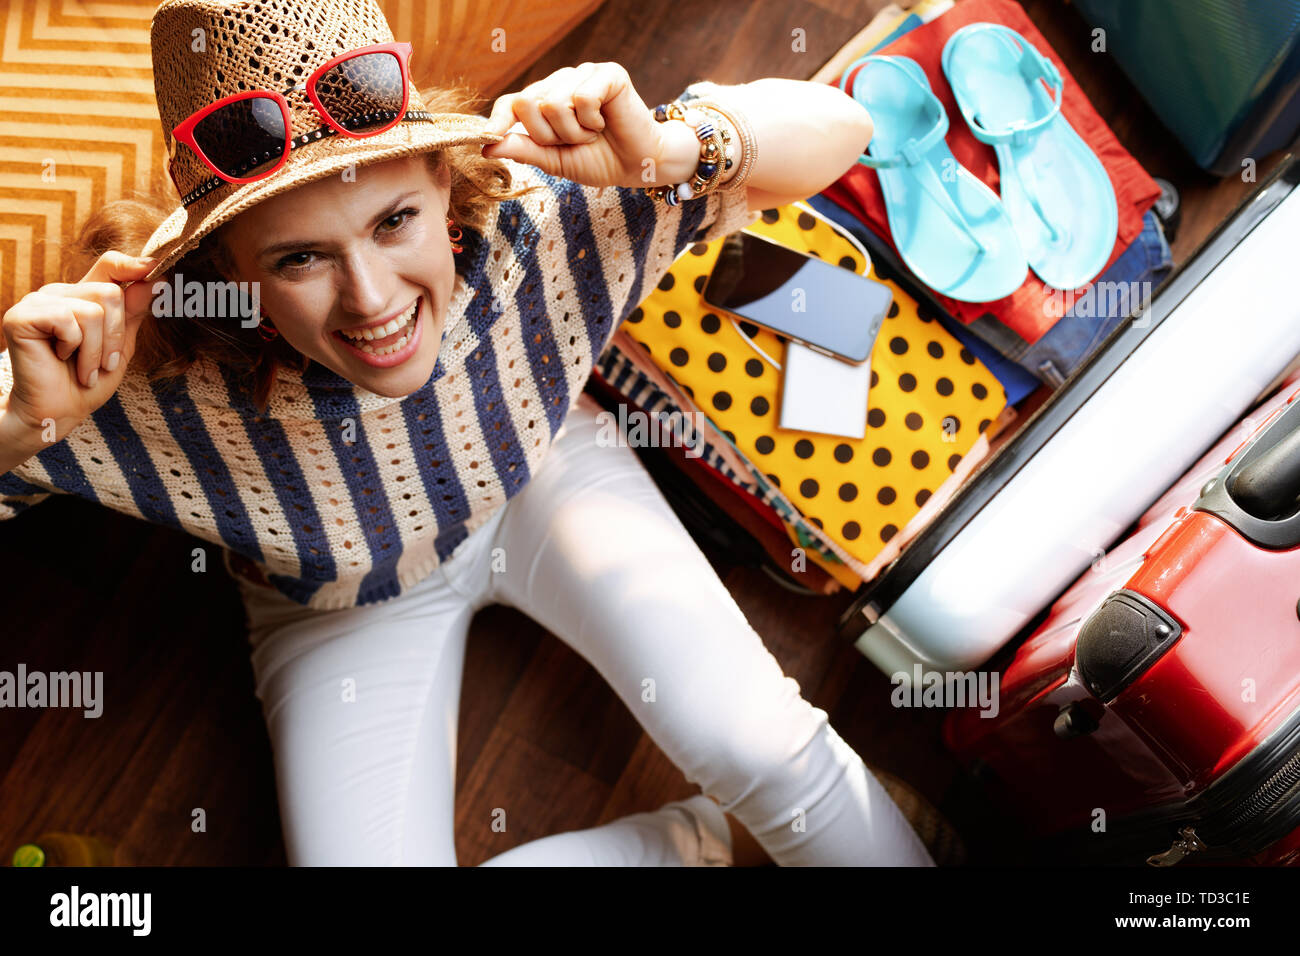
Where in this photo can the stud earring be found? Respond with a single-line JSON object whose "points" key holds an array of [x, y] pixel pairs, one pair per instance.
{"points": [[454, 233], [265, 329]]}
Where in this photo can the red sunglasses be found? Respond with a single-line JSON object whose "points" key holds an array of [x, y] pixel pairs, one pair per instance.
{"points": [[246, 136]]}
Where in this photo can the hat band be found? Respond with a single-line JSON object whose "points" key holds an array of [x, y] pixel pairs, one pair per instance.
{"points": [[205, 187]]}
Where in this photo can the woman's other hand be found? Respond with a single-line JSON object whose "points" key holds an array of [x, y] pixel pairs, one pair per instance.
{"points": [[70, 344], [585, 123]]}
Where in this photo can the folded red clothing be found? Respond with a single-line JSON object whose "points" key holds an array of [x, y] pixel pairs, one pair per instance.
{"points": [[1032, 309]]}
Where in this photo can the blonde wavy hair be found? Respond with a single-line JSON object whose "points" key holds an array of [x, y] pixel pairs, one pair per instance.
{"points": [[167, 349]]}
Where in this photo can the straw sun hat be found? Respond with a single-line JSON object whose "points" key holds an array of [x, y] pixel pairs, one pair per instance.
{"points": [[204, 50]]}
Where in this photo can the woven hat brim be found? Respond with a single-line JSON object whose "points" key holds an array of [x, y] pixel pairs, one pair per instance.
{"points": [[182, 231]]}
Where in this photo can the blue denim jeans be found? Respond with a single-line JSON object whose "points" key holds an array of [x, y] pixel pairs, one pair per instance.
{"points": [[1121, 289]]}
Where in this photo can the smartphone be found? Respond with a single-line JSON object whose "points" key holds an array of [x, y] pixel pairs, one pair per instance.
{"points": [[825, 307]]}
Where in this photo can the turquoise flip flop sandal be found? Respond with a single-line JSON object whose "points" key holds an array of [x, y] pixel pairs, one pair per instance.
{"points": [[1054, 187], [950, 228]]}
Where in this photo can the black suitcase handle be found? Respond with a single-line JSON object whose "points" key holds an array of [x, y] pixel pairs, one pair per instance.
{"points": [[1269, 486], [1258, 494]]}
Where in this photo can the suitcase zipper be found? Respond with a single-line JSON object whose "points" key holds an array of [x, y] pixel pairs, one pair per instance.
{"points": [[1265, 798], [1186, 844], [1237, 819]]}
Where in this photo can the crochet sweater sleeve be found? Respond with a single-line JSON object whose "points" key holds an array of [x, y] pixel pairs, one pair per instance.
{"points": [[17, 491], [16, 495]]}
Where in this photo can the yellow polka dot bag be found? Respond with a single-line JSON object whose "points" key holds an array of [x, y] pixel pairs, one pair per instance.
{"points": [[928, 403]]}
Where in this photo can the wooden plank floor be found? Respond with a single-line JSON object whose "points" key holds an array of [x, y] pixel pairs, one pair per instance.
{"points": [[540, 733]]}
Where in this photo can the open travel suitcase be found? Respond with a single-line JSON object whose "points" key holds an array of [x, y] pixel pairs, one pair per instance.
{"points": [[1074, 466], [1078, 471], [1155, 714]]}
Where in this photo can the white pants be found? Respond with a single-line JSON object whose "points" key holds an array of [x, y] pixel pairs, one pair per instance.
{"points": [[593, 552]]}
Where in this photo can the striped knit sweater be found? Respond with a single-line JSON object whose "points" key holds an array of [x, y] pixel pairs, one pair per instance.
{"points": [[334, 523]]}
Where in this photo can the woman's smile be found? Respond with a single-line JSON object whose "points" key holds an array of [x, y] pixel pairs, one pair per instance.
{"points": [[386, 342]]}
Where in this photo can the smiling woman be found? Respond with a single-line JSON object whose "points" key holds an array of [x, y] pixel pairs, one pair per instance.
{"points": [[413, 442]]}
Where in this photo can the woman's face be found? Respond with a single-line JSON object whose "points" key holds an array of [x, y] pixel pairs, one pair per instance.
{"points": [[355, 274]]}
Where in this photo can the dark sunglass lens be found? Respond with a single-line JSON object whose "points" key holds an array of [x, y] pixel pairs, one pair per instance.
{"points": [[242, 137], [363, 93]]}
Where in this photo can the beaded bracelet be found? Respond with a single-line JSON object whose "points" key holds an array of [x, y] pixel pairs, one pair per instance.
{"points": [[714, 161], [706, 95], [748, 144]]}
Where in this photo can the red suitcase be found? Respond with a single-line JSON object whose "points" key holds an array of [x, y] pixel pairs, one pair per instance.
{"points": [[1155, 714]]}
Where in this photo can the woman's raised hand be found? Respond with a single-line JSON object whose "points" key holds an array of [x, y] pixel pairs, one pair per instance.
{"points": [[585, 123], [70, 344]]}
